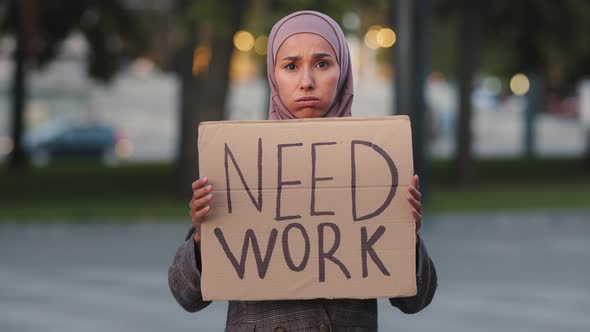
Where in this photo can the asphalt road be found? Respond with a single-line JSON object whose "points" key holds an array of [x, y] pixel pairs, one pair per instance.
{"points": [[497, 272]]}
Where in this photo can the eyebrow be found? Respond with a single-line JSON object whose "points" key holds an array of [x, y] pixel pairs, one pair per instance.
{"points": [[314, 56]]}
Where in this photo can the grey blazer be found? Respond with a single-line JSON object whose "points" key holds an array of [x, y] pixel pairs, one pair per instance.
{"points": [[295, 315]]}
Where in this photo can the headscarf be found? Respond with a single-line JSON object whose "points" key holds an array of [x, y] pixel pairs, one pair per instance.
{"points": [[324, 26]]}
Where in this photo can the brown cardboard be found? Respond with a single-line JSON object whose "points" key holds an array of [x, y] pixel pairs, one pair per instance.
{"points": [[224, 144]]}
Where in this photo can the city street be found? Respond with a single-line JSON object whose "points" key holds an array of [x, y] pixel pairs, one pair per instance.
{"points": [[146, 112], [504, 271], [100, 109]]}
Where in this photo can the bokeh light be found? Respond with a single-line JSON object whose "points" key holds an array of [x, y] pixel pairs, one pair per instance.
{"points": [[243, 41], [351, 21], [386, 37], [378, 36], [519, 84], [436, 76], [201, 59], [142, 67], [371, 37], [6, 145], [260, 45], [124, 149], [242, 67], [492, 84]]}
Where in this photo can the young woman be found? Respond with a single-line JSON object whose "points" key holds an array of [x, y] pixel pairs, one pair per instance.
{"points": [[310, 76]]}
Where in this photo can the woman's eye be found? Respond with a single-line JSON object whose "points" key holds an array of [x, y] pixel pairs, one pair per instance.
{"points": [[291, 66], [322, 64]]}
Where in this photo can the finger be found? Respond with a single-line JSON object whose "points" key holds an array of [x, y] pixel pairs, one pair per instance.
{"points": [[202, 191], [199, 183], [198, 215], [415, 193], [417, 218], [416, 181], [196, 199], [415, 204], [198, 203]]}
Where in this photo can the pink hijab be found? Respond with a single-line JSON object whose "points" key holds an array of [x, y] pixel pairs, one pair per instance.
{"points": [[324, 26]]}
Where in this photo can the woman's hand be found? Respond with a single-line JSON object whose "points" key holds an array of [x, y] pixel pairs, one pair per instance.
{"points": [[415, 201], [199, 204]]}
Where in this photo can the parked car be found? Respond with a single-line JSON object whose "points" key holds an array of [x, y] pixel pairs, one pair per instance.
{"points": [[77, 142]]}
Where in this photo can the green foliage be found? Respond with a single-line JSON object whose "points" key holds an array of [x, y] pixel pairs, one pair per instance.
{"points": [[111, 30], [212, 14], [334, 8], [86, 193], [530, 36], [329, 7], [443, 46]]}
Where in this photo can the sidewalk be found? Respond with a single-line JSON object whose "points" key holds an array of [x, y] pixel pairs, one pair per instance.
{"points": [[497, 272]]}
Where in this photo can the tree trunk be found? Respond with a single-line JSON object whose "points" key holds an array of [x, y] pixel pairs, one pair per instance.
{"points": [[411, 19], [21, 12], [469, 53], [533, 106], [186, 163], [203, 98]]}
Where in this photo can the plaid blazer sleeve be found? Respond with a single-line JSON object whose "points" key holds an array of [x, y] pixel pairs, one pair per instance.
{"points": [[426, 280], [184, 276]]}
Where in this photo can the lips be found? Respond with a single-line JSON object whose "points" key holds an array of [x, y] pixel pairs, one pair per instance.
{"points": [[307, 101], [308, 98]]}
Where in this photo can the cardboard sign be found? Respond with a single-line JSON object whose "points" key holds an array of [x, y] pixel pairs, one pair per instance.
{"points": [[312, 208]]}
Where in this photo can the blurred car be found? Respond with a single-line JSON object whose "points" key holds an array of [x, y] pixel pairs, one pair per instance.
{"points": [[568, 107], [77, 142]]}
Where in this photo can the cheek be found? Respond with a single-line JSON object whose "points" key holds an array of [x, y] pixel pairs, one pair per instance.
{"points": [[284, 83], [331, 85]]}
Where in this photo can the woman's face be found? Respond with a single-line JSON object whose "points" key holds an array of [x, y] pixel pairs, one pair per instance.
{"points": [[307, 75]]}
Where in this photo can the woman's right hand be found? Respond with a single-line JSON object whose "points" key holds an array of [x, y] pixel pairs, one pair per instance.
{"points": [[199, 204]]}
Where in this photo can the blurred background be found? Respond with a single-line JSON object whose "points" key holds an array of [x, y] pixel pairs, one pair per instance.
{"points": [[99, 106]]}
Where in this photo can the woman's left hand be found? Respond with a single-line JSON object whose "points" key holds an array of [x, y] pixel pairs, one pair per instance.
{"points": [[415, 199]]}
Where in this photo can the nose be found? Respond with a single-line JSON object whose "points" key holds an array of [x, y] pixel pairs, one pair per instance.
{"points": [[307, 82]]}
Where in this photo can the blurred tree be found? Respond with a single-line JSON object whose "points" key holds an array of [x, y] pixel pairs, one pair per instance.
{"points": [[39, 28], [411, 19], [468, 56], [204, 51], [541, 38], [203, 56], [468, 16], [546, 40]]}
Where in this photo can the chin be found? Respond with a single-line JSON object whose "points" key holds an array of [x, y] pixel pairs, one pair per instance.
{"points": [[309, 113]]}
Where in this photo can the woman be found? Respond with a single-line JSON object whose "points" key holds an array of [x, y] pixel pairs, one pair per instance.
{"points": [[310, 76]]}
